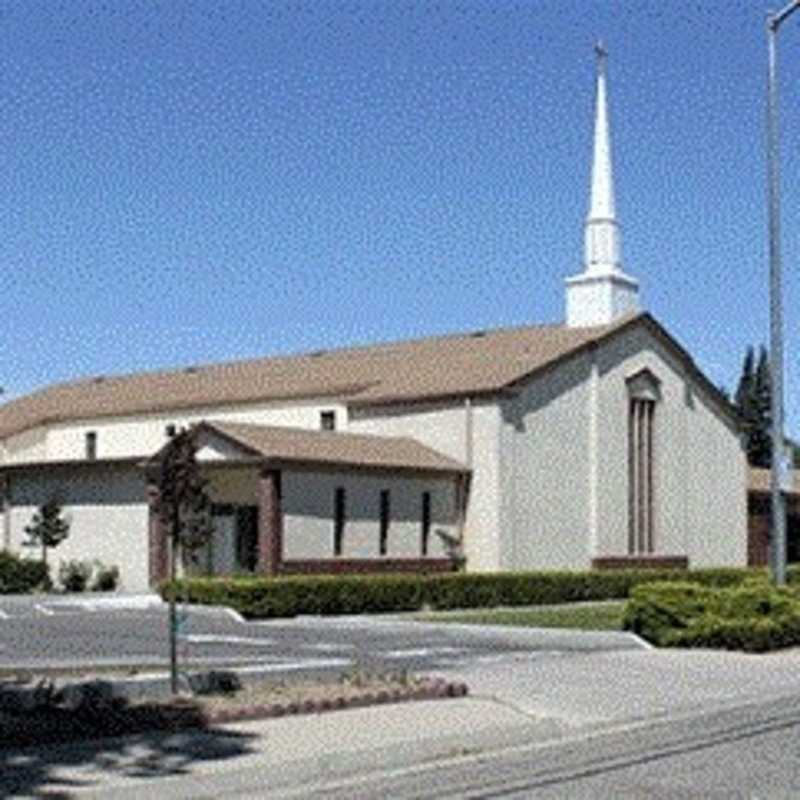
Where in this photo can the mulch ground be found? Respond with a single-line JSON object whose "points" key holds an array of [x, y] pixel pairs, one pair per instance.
{"points": [[53, 724]]}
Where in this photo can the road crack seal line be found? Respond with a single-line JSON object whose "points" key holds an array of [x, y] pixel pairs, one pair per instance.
{"points": [[532, 715]]}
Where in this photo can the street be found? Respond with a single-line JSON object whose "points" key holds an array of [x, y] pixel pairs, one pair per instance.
{"points": [[750, 751]]}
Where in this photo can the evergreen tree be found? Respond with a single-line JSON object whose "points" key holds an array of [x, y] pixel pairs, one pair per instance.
{"points": [[48, 528], [753, 401], [744, 390], [760, 445]]}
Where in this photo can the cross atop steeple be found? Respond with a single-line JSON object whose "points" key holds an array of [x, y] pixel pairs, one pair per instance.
{"points": [[603, 291], [601, 52]]}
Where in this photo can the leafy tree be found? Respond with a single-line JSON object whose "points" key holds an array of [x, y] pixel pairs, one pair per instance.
{"points": [[48, 528], [753, 401], [184, 507]]}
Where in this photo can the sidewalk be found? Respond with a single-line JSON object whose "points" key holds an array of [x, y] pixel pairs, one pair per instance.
{"points": [[516, 701]]}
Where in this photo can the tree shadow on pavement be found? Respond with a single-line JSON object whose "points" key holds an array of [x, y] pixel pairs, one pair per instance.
{"points": [[57, 771]]}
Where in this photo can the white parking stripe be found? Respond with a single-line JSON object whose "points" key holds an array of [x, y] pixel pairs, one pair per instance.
{"points": [[4, 615], [44, 610], [296, 665], [329, 648], [202, 638], [423, 651]]}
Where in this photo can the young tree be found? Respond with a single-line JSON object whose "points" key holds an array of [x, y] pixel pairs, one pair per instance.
{"points": [[184, 507], [48, 528]]}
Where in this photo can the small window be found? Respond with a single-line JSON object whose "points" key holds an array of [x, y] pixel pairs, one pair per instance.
{"points": [[327, 420], [91, 445], [385, 511], [426, 522], [169, 431], [339, 511]]}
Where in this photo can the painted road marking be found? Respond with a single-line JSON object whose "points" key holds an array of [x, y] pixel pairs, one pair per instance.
{"points": [[329, 648], [421, 652], [202, 638], [298, 665]]}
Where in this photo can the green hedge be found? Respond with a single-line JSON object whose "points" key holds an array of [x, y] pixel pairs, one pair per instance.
{"points": [[356, 594], [20, 575], [753, 616]]}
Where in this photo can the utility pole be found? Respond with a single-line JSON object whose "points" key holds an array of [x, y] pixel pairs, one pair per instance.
{"points": [[777, 500]]}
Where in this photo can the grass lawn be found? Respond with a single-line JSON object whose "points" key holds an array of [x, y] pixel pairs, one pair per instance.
{"points": [[583, 616]]}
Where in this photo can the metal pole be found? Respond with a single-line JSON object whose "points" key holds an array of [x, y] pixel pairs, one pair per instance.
{"points": [[173, 612], [777, 502]]}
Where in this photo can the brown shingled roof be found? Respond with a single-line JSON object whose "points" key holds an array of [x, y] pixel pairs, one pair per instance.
{"points": [[297, 445], [444, 366]]}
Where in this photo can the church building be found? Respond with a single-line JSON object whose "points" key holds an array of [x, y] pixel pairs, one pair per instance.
{"points": [[592, 443]]}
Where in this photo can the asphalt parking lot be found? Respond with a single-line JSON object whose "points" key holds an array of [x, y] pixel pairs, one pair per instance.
{"points": [[44, 632]]}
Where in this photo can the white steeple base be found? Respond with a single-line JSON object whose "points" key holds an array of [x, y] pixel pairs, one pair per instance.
{"points": [[600, 298]]}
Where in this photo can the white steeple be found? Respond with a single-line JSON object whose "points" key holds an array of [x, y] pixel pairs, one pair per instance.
{"points": [[602, 292]]}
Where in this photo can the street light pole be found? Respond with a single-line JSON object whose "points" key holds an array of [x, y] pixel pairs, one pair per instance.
{"points": [[777, 502]]}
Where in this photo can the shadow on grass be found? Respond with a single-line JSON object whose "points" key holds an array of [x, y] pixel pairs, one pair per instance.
{"points": [[59, 754]]}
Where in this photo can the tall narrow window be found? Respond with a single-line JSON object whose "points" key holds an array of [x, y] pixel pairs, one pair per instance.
{"points": [[644, 394], [327, 420], [426, 522], [385, 511], [640, 476], [339, 511], [91, 445]]}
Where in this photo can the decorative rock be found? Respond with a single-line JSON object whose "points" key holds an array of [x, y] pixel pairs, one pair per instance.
{"points": [[215, 682]]}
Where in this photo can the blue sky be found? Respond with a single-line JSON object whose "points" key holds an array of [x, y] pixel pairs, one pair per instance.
{"points": [[189, 182]]}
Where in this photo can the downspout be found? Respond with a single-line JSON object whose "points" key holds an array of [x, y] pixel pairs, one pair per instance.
{"points": [[5, 497], [463, 481]]}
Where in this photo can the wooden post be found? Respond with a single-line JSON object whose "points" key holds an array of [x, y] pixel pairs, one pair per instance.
{"points": [[270, 522]]}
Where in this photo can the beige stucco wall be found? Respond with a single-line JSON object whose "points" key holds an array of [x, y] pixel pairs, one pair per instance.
{"points": [[142, 435], [544, 471], [308, 501], [565, 463], [464, 430], [107, 512], [700, 468], [28, 446]]}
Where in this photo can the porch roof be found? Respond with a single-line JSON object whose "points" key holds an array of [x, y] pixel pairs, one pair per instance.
{"points": [[303, 446]]}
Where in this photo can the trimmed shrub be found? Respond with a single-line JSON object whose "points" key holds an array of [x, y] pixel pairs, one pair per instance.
{"points": [[657, 609], [754, 616], [74, 575], [356, 594], [20, 575], [106, 579]]}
